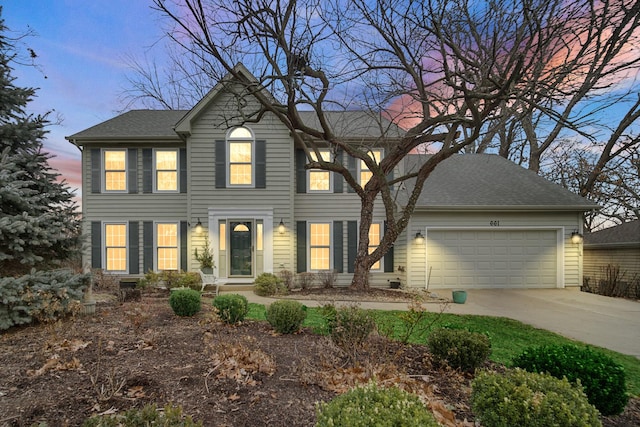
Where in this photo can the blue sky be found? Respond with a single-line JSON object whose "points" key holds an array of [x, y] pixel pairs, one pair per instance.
{"points": [[81, 47]]}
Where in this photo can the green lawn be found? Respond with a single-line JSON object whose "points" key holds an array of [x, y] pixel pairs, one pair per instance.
{"points": [[508, 337]]}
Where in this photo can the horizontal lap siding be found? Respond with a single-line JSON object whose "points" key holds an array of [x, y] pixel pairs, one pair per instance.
{"points": [[627, 259]]}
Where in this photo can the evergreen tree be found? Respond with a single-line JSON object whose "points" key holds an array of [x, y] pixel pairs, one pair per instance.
{"points": [[39, 225]]}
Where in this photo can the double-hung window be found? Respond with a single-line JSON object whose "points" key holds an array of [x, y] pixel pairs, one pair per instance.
{"points": [[167, 246], [365, 172], [115, 251], [240, 143], [115, 170], [320, 180], [375, 232], [166, 170], [319, 246]]}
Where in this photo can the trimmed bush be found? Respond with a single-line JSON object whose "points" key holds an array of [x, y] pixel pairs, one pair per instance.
{"points": [[461, 349], [149, 415], [348, 327], [232, 308], [526, 399], [286, 316], [268, 284], [601, 377], [373, 406], [185, 302]]}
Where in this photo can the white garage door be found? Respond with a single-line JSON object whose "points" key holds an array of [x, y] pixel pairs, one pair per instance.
{"points": [[492, 258]]}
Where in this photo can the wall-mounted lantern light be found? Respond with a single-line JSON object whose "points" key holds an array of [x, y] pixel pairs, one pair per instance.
{"points": [[576, 237], [281, 227], [199, 226], [419, 238]]}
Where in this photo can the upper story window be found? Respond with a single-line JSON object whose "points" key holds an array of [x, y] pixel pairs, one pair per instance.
{"points": [[166, 170], [240, 143], [320, 180], [115, 170], [115, 247], [365, 173]]}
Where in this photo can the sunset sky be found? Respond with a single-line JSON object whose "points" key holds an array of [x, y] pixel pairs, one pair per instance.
{"points": [[81, 70]]}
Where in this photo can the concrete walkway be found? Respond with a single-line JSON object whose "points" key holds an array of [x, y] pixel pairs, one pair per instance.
{"points": [[612, 323]]}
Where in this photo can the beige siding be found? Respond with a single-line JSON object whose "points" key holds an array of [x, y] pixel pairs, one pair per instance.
{"points": [[627, 259]]}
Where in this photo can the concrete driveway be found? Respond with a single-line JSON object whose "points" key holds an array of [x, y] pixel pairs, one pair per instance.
{"points": [[612, 323]]}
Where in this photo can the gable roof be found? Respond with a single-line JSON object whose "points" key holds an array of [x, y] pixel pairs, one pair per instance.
{"points": [[134, 124], [488, 182], [626, 234]]}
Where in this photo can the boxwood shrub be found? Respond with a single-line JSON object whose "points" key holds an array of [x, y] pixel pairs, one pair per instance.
{"points": [[459, 348], [232, 308], [527, 399], [601, 377], [185, 302], [268, 284], [372, 406], [286, 316]]}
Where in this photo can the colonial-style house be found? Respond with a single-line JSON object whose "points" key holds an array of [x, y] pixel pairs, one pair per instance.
{"points": [[156, 184]]}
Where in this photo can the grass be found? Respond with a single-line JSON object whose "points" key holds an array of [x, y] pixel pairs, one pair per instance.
{"points": [[508, 337]]}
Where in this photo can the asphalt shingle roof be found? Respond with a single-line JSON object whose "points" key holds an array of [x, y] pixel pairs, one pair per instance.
{"points": [[627, 233], [486, 181]]}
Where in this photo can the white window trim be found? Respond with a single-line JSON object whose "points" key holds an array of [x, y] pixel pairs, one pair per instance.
{"points": [[359, 163], [309, 223], [155, 170], [228, 141], [155, 243], [104, 247], [329, 173], [103, 171]]}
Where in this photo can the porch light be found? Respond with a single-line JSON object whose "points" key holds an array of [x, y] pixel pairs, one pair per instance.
{"points": [[419, 238], [281, 227], [199, 226], [576, 237]]}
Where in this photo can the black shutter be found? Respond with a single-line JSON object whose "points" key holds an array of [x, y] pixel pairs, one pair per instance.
{"points": [[147, 170], [388, 257], [134, 247], [184, 258], [261, 164], [96, 243], [353, 170], [338, 179], [132, 173], [221, 164], [147, 238], [301, 246], [301, 173], [183, 170], [338, 257], [352, 245], [96, 171]]}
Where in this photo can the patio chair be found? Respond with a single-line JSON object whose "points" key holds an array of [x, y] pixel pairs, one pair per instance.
{"points": [[209, 279]]}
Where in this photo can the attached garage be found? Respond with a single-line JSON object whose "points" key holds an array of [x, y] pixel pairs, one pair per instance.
{"points": [[491, 258]]}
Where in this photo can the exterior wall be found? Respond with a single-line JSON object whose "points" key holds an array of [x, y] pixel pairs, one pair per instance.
{"points": [[565, 223], [596, 259]]}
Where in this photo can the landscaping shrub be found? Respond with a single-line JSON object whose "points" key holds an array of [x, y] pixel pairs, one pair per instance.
{"points": [[288, 279], [286, 316], [349, 327], [461, 349], [268, 284], [232, 308], [373, 406], [526, 399], [601, 377], [185, 302], [149, 415]]}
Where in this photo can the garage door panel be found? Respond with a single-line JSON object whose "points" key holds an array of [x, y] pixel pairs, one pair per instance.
{"points": [[490, 258]]}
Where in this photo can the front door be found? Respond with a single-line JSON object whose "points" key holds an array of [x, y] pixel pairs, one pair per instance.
{"points": [[240, 239]]}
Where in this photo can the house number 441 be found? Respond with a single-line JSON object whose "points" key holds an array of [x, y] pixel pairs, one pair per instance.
{"points": [[494, 223]]}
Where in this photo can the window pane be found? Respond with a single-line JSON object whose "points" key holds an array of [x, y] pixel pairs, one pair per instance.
{"points": [[166, 160], [116, 259], [259, 237], [115, 160], [240, 174], [319, 235], [240, 152], [168, 235], [115, 181], [167, 181], [223, 236], [374, 235], [365, 173], [320, 259], [319, 181], [324, 154], [240, 133], [167, 259], [116, 235]]}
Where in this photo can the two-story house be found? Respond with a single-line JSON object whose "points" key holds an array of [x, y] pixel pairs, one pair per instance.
{"points": [[156, 184]]}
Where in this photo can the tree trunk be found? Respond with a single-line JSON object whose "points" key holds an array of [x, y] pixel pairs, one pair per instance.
{"points": [[360, 279]]}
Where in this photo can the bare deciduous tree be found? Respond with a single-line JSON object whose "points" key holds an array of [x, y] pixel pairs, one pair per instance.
{"points": [[448, 70]]}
